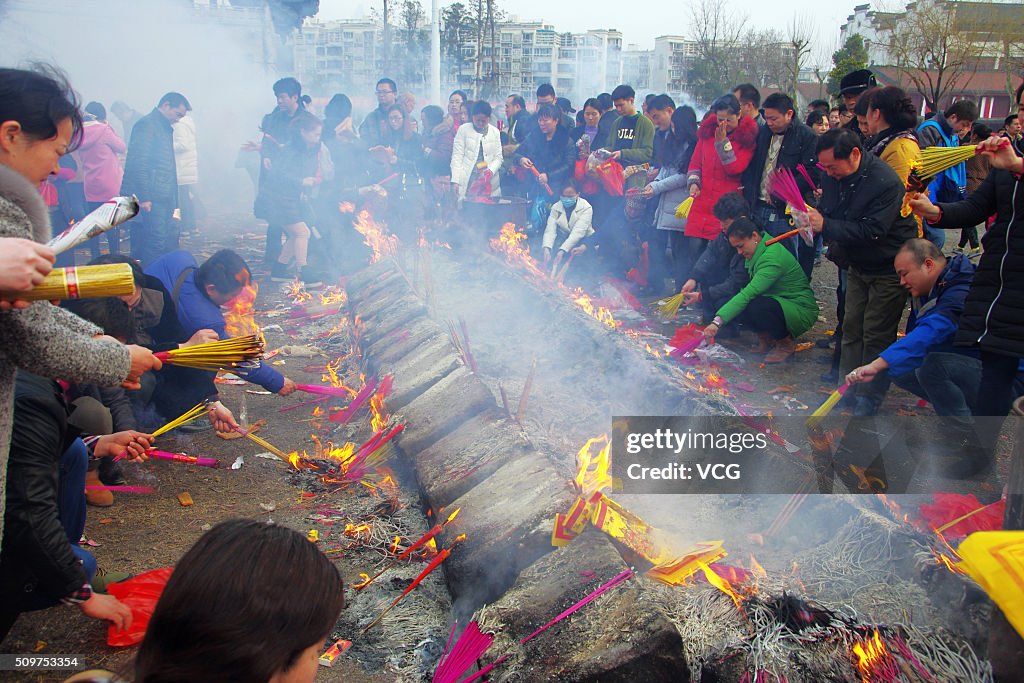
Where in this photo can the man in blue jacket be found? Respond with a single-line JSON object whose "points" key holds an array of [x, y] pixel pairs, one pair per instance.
{"points": [[199, 292], [925, 362]]}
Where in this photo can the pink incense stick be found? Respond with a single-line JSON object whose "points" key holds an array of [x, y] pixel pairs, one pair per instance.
{"points": [[181, 457], [802, 170], [593, 596], [343, 416], [326, 391], [303, 404]]}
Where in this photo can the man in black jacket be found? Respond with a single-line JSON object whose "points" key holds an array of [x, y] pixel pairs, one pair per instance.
{"points": [[783, 142], [150, 174], [859, 216], [41, 564]]}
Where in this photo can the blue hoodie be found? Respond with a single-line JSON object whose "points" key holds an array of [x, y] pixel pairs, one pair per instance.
{"points": [[933, 319], [196, 311]]}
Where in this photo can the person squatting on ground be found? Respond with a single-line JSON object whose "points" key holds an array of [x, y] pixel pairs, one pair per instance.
{"points": [[777, 303]]}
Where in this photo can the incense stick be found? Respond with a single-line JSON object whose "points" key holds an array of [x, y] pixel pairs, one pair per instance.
{"points": [[825, 408], [785, 235], [224, 355], [263, 444], [83, 282]]}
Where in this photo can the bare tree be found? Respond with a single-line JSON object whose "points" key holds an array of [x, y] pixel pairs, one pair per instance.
{"points": [[799, 38], [821, 60], [763, 60], [717, 29], [934, 51]]}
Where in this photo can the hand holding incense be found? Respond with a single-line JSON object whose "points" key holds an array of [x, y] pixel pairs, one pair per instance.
{"points": [[181, 457], [83, 282], [547, 188], [825, 408]]}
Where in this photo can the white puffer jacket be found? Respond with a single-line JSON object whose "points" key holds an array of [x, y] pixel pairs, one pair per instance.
{"points": [[465, 151], [186, 151]]}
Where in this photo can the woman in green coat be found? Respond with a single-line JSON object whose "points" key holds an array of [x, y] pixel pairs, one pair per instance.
{"points": [[778, 302]]}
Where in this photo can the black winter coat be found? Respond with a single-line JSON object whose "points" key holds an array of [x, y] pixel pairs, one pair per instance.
{"points": [[798, 147], [37, 567], [862, 216], [149, 170], [720, 271], [993, 316], [556, 157]]}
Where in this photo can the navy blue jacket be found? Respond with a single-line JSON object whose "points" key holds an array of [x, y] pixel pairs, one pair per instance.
{"points": [[196, 311], [933, 319]]}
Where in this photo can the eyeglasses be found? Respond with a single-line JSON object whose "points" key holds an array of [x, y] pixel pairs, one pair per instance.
{"points": [[385, 92]]}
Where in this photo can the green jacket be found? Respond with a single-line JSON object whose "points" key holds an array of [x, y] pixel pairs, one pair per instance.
{"points": [[775, 273], [641, 151]]}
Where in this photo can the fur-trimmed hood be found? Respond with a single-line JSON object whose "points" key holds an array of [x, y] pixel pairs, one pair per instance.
{"points": [[23, 195], [745, 134]]}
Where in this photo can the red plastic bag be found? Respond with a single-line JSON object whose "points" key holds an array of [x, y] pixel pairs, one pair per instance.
{"points": [[611, 177], [586, 184], [140, 593], [481, 187], [639, 273]]}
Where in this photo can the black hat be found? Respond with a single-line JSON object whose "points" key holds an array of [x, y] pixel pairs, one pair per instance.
{"points": [[565, 105], [856, 82]]}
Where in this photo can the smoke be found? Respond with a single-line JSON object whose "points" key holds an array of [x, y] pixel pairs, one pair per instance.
{"points": [[137, 51]]}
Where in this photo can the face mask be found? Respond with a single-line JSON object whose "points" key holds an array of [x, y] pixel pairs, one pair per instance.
{"points": [[568, 202]]}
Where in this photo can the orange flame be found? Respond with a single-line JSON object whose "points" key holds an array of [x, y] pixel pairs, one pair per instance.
{"points": [[459, 539], [452, 516], [756, 567], [431, 547], [507, 243], [601, 314], [870, 654], [362, 584], [375, 236], [239, 316], [296, 291], [722, 585], [592, 470], [394, 546], [333, 297], [358, 531]]}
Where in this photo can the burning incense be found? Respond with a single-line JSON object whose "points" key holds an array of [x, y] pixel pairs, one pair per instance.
{"points": [[683, 210], [470, 646], [264, 444], [83, 282], [225, 355], [111, 214], [434, 564], [181, 457], [303, 404], [343, 416], [408, 551], [825, 408], [615, 582]]}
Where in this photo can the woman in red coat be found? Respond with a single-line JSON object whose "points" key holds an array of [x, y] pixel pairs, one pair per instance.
{"points": [[725, 146]]}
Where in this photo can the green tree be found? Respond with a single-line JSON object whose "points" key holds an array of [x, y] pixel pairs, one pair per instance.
{"points": [[457, 28], [850, 57]]}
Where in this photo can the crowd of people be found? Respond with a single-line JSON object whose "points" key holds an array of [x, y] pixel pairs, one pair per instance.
{"points": [[607, 184]]}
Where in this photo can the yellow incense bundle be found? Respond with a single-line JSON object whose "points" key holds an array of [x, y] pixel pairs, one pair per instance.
{"points": [[224, 355], [195, 411], [935, 160], [669, 307], [683, 210], [825, 408], [84, 282]]}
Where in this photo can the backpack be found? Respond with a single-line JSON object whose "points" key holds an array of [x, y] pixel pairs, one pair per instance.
{"points": [[949, 185]]}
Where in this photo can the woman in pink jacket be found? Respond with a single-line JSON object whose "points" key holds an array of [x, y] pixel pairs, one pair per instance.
{"points": [[100, 152]]}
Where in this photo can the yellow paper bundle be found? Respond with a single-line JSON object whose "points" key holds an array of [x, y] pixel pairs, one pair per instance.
{"points": [[995, 559], [84, 282], [683, 210]]}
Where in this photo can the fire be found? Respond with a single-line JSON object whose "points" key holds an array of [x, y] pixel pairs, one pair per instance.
{"points": [[944, 560], [722, 585], [872, 657], [358, 531], [431, 547], [362, 584], [239, 316], [459, 539], [295, 460], [452, 516], [318, 412], [507, 243], [601, 314], [757, 569], [592, 470], [333, 296], [296, 291], [394, 546], [375, 236], [653, 352], [331, 376]]}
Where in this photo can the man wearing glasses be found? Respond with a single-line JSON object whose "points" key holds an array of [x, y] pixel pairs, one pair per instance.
{"points": [[373, 127]]}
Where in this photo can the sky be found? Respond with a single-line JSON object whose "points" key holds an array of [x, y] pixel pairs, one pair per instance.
{"points": [[638, 27]]}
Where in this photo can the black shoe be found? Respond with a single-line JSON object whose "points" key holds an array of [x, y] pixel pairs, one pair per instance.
{"points": [[110, 472], [826, 343]]}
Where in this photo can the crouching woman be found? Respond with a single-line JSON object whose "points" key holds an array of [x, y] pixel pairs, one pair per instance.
{"points": [[777, 303]]}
